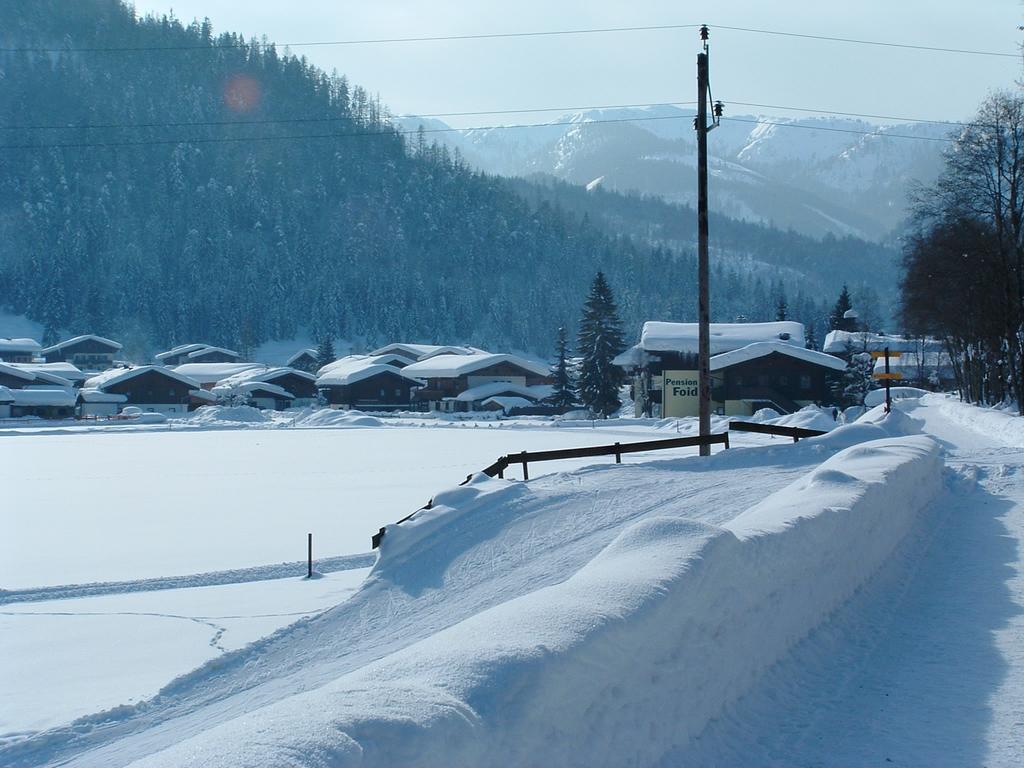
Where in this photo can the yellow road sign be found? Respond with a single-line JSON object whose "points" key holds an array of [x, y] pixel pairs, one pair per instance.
{"points": [[882, 354], [893, 376]]}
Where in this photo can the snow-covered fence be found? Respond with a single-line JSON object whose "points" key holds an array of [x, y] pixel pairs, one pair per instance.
{"points": [[497, 469], [774, 429]]}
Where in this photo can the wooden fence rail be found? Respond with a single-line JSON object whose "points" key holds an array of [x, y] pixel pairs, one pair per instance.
{"points": [[497, 469], [773, 429]]}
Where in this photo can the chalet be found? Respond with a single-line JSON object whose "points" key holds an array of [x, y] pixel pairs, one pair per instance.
{"points": [[22, 375], [753, 365], [451, 375], [209, 374], [846, 343], [44, 402], [177, 355], [87, 353], [6, 400], [13, 377], [19, 350], [95, 403], [47, 371], [361, 382], [149, 387], [271, 388], [499, 396], [304, 360], [213, 355], [417, 352]]}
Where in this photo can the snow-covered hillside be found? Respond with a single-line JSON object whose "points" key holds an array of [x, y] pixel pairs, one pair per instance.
{"points": [[816, 174]]}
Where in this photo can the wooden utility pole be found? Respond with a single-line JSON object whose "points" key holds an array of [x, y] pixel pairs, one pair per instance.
{"points": [[703, 301]]}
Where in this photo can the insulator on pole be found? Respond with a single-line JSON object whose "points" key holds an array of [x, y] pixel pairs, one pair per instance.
{"points": [[719, 108], [704, 32]]}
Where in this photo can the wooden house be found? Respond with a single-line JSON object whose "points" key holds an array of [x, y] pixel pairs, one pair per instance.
{"points": [[449, 375], [304, 360], [753, 366], [360, 382], [87, 353], [19, 350], [269, 388], [149, 387]]}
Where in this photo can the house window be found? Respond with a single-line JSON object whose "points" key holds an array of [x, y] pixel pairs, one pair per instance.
{"points": [[382, 393], [805, 382], [398, 393]]}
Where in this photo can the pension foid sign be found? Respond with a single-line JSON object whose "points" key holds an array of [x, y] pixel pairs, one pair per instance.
{"points": [[679, 395]]}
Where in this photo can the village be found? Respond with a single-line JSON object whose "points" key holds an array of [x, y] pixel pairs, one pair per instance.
{"points": [[753, 365]]}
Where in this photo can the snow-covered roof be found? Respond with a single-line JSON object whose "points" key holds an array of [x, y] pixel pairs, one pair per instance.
{"points": [[349, 370], [40, 396], [763, 348], [20, 345], [264, 373], [202, 394], [5, 395], [451, 366], [842, 342], [423, 351], [118, 375], [631, 358], [67, 371], [508, 403], [206, 350], [99, 396], [181, 349], [211, 373], [725, 337], [495, 388], [311, 352], [913, 361], [249, 387], [85, 337], [15, 370]]}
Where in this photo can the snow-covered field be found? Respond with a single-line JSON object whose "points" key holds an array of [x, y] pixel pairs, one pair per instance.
{"points": [[856, 599]]}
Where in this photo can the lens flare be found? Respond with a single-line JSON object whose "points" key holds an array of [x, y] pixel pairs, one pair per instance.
{"points": [[242, 93]]}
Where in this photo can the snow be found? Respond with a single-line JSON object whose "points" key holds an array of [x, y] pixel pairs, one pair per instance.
{"points": [[258, 388], [205, 350], [853, 599], [423, 351], [178, 350], [20, 346], [326, 417], [354, 368], [808, 417], [68, 372], [78, 339], [484, 391], [217, 414], [11, 369], [118, 375], [211, 373], [44, 396], [445, 366], [877, 396], [5, 395], [764, 348], [99, 396], [725, 337], [51, 667], [842, 342]]}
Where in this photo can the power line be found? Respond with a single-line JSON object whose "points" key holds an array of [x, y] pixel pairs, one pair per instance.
{"points": [[852, 114], [368, 41], [883, 44], [217, 46], [944, 139], [396, 133], [340, 118]]}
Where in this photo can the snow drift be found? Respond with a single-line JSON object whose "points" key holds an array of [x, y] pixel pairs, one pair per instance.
{"points": [[623, 662]]}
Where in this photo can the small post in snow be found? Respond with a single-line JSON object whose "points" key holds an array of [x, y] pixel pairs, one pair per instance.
{"points": [[526, 472], [888, 382], [618, 454], [309, 555]]}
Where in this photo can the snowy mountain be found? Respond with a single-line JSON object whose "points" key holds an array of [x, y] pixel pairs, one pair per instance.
{"points": [[815, 175]]}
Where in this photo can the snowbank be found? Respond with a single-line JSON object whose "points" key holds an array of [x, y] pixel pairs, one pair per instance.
{"points": [[1004, 426], [808, 417], [622, 663], [219, 414], [326, 417], [877, 396]]}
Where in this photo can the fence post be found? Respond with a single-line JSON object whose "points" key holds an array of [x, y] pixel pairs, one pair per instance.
{"points": [[618, 454], [526, 472], [309, 556]]}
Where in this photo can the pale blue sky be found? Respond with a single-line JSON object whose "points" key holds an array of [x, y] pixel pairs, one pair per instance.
{"points": [[641, 67]]}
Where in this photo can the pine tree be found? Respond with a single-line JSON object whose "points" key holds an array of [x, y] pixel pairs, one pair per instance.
{"points": [[564, 392], [781, 310], [858, 379], [599, 341], [843, 305], [325, 352], [811, 339]]}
